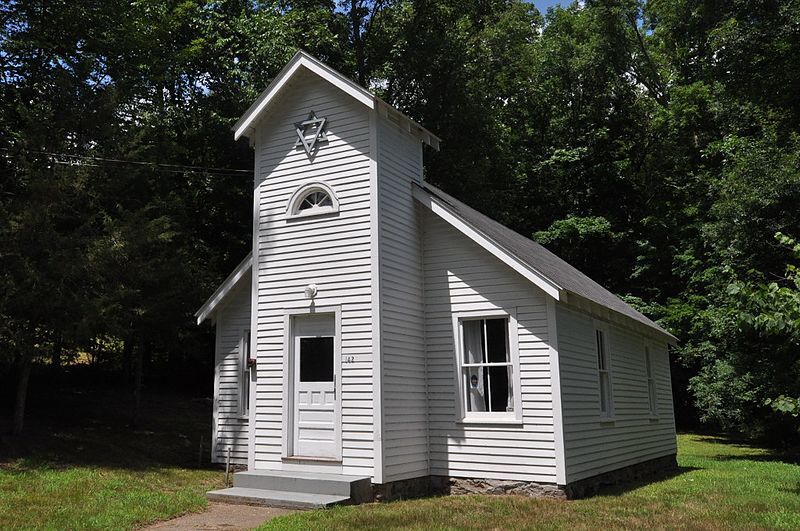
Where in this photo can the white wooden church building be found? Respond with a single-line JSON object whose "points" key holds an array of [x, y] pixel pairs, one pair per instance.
{"points": [[386, 337]]}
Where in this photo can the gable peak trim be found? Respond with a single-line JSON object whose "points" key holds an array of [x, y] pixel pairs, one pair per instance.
{"points": [[439, 208]]}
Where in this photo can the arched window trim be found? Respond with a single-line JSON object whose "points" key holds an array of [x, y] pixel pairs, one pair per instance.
{"points": [[293, 208]]}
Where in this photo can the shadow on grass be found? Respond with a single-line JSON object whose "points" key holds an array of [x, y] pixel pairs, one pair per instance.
{"points": [[91, 427], [623, 487], [751, 451]]}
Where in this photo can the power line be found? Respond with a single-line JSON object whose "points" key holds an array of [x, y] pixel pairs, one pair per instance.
{"points": [[174, 168]]}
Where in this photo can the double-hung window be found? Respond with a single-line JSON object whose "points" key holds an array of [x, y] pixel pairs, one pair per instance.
{"points": [[244, 374], [651, 382], [604, 373], [487, 373]]}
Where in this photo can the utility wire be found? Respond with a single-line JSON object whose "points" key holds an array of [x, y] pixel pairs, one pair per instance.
{"points": [[175, 168]]}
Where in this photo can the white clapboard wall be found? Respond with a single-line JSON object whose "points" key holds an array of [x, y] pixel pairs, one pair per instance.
{"points": [[592, 445], [230, 431], [332, 252], [404, 367], [460, 276]]}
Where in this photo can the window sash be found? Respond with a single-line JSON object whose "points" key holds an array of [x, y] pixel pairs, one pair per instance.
{"points": [[483, 368], [651, 382], [244, 375], [604, 374]]}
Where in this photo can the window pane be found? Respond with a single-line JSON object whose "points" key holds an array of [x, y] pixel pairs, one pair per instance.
{"points": [[316, 359], [475, 385], [604, 392], [601, 347], [496, 340], [651, 388], [246, 393], [501, 398], [473, 341]]}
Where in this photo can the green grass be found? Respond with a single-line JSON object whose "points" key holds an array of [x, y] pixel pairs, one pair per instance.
{"points": [[721, 485], [80, 467]]}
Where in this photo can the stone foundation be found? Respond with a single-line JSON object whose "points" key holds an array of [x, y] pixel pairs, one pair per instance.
{"points": [[443, 485], [646, 471], [447, 485], [403, 489]]}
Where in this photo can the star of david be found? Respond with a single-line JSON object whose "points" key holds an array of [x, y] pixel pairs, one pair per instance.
{"points": [[309, 132]]}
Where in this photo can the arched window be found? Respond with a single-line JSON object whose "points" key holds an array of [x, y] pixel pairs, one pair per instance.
{"points": [[312, 199]]}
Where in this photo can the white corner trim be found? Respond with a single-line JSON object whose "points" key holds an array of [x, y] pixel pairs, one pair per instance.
{"points": [[375, 266], [555, 384], [215, 404], [300, 59], [545, 284], [226, 287], [251, 426]]}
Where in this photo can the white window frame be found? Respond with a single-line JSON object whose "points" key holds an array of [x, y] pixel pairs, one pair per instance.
{"points": [[495, 417], [293, 206], [650, 379], [243, 406], [604, 370]]}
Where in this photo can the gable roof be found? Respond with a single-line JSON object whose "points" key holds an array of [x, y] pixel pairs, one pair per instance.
{"points": [[241, 271], [304, 61], [544, 268]]}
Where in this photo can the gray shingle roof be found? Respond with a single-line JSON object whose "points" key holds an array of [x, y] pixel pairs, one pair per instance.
{"points": [[536, 256]]}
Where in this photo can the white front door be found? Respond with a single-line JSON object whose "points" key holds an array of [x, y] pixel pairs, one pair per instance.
{"points": [[316, 420]]}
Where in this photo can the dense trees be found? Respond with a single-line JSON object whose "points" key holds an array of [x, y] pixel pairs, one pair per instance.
{"points": [[653, 144]]}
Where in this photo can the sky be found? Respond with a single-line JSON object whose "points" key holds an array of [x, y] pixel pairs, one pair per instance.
{"points": [[542, 5]]}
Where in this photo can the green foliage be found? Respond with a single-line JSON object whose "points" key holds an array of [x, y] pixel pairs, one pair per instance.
{"points": [[653, 144], [592, 246]]}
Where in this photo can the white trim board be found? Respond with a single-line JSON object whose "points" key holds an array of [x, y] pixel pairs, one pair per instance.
{"points": [[224, 289], [246, 125], [555, 384], [377, 341], [300, 59], [544, 283]]}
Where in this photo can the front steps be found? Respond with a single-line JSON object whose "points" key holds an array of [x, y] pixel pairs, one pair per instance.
{"points": [[294, 490]]}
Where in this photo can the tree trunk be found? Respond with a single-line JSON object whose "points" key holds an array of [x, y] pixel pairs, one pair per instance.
{"points": [[127, 361], [25, 365], [55, 355], [137, 385]]}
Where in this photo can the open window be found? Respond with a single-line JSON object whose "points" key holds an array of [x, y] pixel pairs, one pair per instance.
{"points": [[311, 200], [488, 369], [244, 374]]}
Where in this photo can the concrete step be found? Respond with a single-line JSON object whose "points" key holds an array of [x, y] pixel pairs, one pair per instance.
{"points": [[276, 498], [358, 488]]}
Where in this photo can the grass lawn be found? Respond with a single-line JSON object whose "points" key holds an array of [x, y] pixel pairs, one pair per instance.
{"points": [[80, 467], [722, 485]]}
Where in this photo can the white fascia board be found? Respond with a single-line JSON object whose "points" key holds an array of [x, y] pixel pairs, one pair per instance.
{"points": [[544, 283], [412, 127], [222, 291], [301, 59]]}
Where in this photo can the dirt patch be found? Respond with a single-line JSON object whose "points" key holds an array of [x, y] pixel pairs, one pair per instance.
{"points": [[223, 516]]}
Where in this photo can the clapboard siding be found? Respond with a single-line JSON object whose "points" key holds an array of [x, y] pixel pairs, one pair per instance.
{"points": [[405, 423], [592, 446], [461, 276], [230, 430], [333, 252]]}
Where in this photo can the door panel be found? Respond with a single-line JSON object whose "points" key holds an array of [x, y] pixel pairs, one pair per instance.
{"points": [[316, 423]]}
